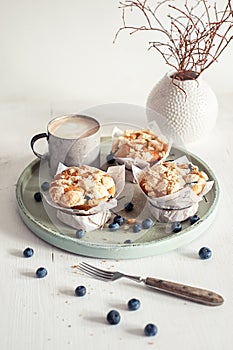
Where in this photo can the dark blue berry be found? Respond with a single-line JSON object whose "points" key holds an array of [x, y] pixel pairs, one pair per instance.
{"points": [[176, 227], [110, 158], [41, 272], [147, 223], [134, 304], [193, 219], [150, 330], [128, 241], [205, 253], [119, 219], [28, 252], [80, 291], [80, 233], [38, 196], [129, 206], [114, 226], [45, 186], [137, 228], [113, 317]]}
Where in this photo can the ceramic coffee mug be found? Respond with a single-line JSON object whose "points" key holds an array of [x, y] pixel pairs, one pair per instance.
{"points": [[73, 140]]}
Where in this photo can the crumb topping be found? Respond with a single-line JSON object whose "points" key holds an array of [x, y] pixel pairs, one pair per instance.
{"points": [[81, 188], [169, 177], [142, 144]]}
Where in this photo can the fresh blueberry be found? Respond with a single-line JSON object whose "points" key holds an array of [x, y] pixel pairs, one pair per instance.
{"points": [[193, 219], [38, 196], [176, 227], [137, 228], [147, 223], [128, 241], [205, 253], [134, 304], [45, 186], [110, 158], [119, 219], [80, 291], [150, 330], [113, 317], [129, 206], [114, 226], [28, 252], [41, 272], [80, 233]]}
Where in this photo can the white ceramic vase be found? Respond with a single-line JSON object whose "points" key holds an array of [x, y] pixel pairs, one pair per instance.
{"points": [[189, 116]]}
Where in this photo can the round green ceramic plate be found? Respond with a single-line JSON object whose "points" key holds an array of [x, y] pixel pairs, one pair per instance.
{"points": [[42, 220]]}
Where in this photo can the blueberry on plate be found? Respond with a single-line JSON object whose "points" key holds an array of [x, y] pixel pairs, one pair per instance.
{"points": [[205, 253], [137, 228], [28, 252], [110, 158], [128, 241], [41, 272], [150, 330], [113, 317], [176, 227], [45, 186], [147, 223], [119, 219], [80, 291], [80, 233], [128, 206], [38, 196], [134, 304], [114, 226], [193, 219]]}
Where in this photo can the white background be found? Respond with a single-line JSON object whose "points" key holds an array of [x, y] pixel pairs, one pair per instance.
{"points": [[62, 50]]}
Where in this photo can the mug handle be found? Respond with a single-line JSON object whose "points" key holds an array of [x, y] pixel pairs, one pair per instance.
{"points": [[33, 140]]}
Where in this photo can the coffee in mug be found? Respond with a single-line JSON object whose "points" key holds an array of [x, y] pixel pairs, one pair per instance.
{"points": [[73, 140]]}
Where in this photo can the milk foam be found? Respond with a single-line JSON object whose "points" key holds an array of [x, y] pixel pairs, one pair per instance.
{"points": [[74, 127]]}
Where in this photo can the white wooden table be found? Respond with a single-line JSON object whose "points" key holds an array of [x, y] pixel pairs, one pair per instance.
{"points": [[45, 314]]}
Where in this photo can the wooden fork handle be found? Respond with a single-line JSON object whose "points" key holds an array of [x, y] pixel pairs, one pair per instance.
{"points": [[195, 294]]}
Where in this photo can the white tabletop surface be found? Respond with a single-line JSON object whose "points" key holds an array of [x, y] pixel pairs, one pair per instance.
{"points": [[45, 314]]}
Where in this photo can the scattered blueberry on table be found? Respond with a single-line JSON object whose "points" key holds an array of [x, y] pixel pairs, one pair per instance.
{"points": [[38, 196], [147, 223], [137, 228], [80, 233], [150, 330], [113, 317], [119, 219], [128, 206], [193, 219], [41, 272], [205, 253], [134, 304], [110, 158], [128, 241], [176, 227], [114, 226], [45, 186], [80, 291], [28, 252]]}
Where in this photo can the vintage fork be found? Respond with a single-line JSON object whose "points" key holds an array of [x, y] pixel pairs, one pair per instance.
{"points": [[195, 294]]}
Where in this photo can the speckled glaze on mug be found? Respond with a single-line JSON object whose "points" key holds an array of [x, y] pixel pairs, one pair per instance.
{"points": [[72, 140]]}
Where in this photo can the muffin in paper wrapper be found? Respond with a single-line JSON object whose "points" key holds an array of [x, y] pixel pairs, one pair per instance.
{"points": [[137, 161], [175, 207], [97, 216]]}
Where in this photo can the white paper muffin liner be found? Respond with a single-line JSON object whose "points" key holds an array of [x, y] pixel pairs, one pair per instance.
{"points": [[175, 207]]}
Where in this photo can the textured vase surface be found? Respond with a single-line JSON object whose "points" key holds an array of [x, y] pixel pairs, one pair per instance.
{"points": [[189, 115]]}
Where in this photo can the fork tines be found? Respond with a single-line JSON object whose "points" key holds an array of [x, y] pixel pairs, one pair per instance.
{"points": [[95, 272]]}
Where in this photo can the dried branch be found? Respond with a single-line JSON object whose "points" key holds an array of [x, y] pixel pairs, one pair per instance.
{"points": [[197, 34]]}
